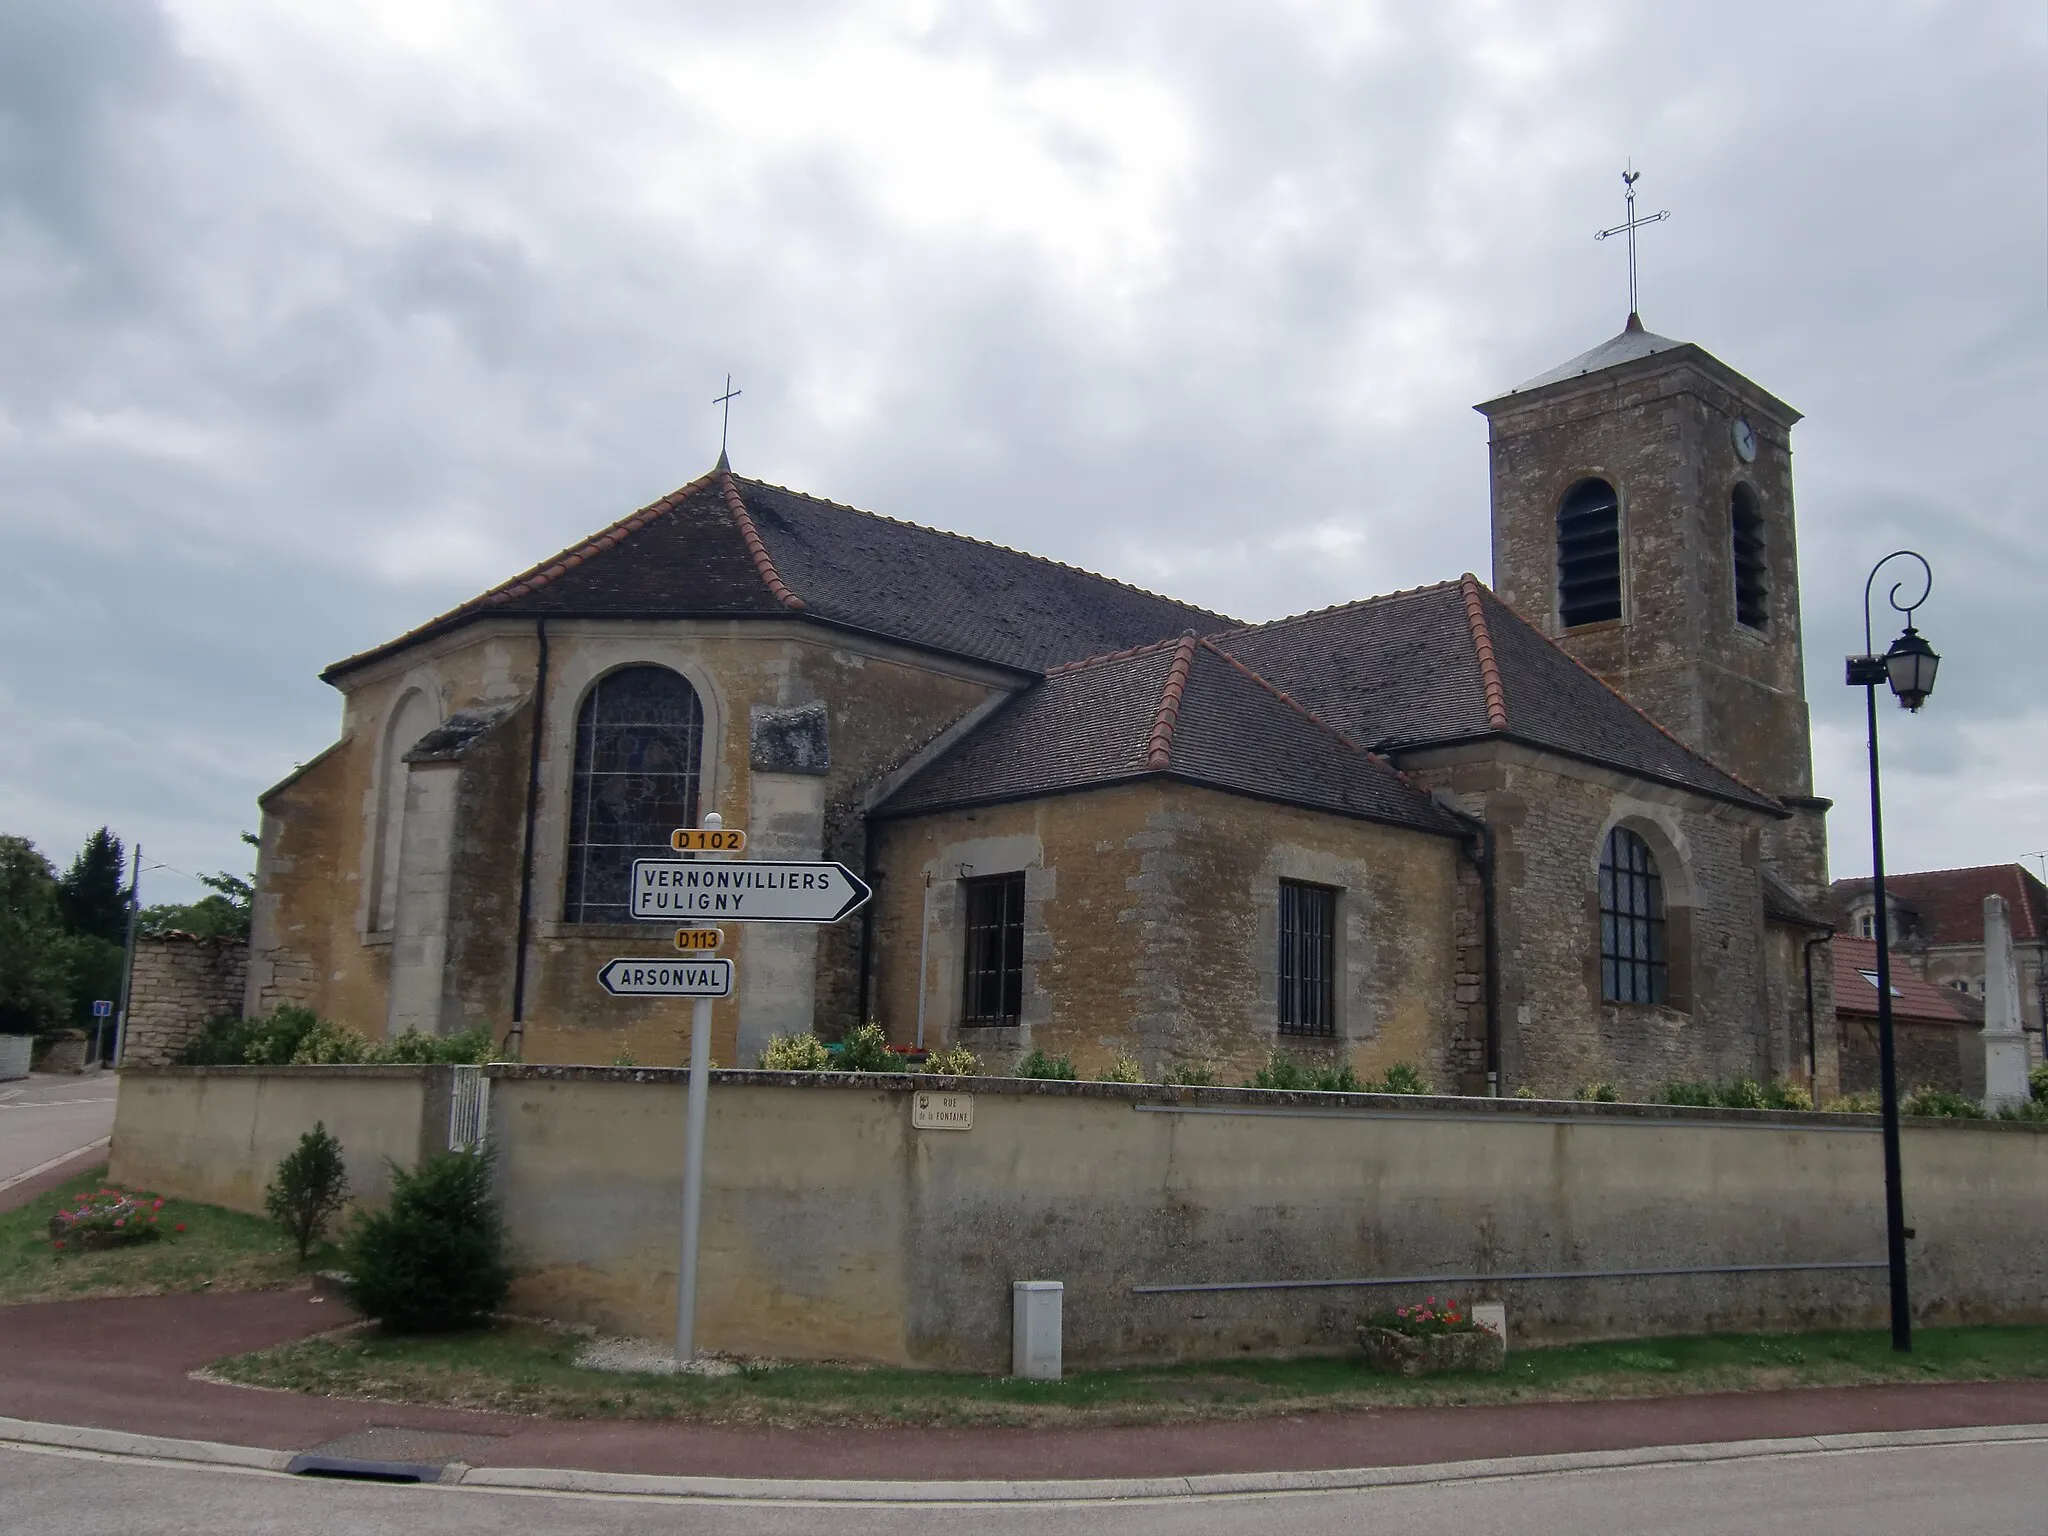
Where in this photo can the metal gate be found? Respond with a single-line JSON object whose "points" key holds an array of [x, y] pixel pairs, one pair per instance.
{"points": [[468, 1108]]}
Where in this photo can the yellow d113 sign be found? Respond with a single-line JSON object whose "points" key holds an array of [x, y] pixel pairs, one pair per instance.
{"points": [[698, 940]]}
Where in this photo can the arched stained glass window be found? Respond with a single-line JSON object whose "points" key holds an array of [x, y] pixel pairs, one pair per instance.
{"points": [[1632, 961], [1589, 554], [639, 739]]}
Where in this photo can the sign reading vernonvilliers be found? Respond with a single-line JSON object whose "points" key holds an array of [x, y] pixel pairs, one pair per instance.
{"points": [[667, 978], [664, 890]]}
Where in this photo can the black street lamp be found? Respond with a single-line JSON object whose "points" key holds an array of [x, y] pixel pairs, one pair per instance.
{"points": [[1908, 669]]}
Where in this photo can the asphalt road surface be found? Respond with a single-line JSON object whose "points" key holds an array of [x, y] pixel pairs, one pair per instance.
{"points": [[44, 1118], [1985, 1489]]}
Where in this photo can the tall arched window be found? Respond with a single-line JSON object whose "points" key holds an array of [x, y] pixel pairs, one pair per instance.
{"points": [[414, 717], [1633, 968], [639, 738], [1752, 585], [1589, 554]]}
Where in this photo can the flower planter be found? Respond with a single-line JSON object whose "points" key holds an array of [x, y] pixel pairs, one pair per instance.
{"points": [[14, 1054], [1403, 1354]]}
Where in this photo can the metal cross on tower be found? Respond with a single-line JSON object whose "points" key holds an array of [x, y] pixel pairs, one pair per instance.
{"points": [[725, 423], [1628, 227]]}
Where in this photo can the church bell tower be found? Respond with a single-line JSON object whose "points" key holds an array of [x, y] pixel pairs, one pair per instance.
{"points": [[1642, 518]]}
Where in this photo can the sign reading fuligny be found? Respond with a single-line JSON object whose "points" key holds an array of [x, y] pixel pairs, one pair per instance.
{"points": [[665, 889]]}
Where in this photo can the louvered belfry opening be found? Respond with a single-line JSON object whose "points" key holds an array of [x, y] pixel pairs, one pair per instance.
{"points": [[1589, 554], [1752, 584]]}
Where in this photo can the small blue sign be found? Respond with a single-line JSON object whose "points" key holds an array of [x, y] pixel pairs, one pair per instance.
{"points": [[101, 1008]]}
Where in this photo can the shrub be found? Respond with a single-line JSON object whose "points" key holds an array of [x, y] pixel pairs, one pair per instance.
{"points": [[471, 1048], [275, 1038], [1788, 1095], [2037, 1083], [1124, 1069], [795, 1053], [310, 1189], [1401, 1077], [1854, 1104], [1038, 1064], [867, 1050], [1525, 1092], [1597, 1093], [2033, 1109], [1192, 1074], [954, 1061], [1284, 1073], [1691, 1095], [1744, 1093], [328, 1044], [1941, 1103], [434, 1259]]}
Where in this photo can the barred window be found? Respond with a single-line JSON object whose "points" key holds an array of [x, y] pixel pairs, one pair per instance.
{"points": [[1632, 964], [1589, 554], [992, 974], [639, 739], [1308, 959]]}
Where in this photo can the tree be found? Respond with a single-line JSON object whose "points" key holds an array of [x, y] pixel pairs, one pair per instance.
{"points": [[35, 954], [90, 899], [224, 914], [310, 1188]]}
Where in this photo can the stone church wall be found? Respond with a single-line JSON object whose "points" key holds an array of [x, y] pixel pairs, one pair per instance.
{"points": [[313, 941], [1150, 930], [1551, 818], [180, 981]]}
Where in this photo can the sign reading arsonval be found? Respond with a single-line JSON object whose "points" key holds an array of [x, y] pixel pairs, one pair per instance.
{"points": [[664, 890], [667, 978]]}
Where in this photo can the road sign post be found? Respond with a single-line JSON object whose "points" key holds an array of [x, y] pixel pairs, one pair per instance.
{"points": [[697, 1110]]}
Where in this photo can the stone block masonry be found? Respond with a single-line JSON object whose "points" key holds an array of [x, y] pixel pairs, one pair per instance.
{"points": [[180, 982]]}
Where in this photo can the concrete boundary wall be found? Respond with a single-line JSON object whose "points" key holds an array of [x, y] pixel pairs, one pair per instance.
{"points": [[835, 1229], [217, 1134]]}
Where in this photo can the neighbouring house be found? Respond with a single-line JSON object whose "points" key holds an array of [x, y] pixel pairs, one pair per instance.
{"points": [[1937, 1031], [1555, 829], [1937, 929]]}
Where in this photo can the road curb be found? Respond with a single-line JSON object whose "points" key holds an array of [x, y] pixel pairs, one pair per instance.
{"points": [[110, 1442]]}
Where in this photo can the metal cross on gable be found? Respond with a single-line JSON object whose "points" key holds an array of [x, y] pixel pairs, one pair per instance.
{"points": [[1628, 227], [725, 423]]}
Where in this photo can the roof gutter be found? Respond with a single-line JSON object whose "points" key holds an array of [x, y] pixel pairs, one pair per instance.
{"points": [[516, 1035]]}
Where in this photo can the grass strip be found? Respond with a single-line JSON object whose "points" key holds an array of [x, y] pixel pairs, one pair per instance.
{"points": [[217, 1250], [529, 1369]]}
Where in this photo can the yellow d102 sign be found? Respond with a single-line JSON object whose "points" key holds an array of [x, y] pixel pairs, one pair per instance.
{"points": [[698, 940], [708, 840]]}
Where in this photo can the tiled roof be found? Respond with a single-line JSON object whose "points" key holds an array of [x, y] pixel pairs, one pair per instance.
{"points": [[1181, 708], [1913, 1000], [729, 547], [1946, 906], [1451, 663], [1634, 345]]}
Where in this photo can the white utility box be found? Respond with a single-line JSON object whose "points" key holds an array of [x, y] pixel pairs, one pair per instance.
{"points": [[1035, 1329]]}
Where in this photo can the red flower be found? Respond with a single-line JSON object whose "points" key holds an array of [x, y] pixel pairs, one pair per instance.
{"points": [[158, 1206], [59, 1243], [180, 1227], [120, 1221]]}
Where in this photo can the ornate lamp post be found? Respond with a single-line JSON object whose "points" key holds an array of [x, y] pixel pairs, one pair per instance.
{"points": [[1908, 669]]}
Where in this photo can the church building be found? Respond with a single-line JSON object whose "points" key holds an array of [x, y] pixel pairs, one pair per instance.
{"points": [[1554, 830]]}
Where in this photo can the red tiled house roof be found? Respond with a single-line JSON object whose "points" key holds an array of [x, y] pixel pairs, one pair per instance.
{"points": [[1913, 1001], [1946, 906]]}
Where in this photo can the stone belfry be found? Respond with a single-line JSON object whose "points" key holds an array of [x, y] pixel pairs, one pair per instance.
{"points": [[1642, 518]]}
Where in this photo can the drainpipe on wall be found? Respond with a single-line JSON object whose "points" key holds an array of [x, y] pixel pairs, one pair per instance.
{"points": [[1482, 839], [1812, 1045], [515, 1037], [867, 920]]}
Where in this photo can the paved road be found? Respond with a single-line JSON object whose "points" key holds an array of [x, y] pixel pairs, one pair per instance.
{"points": [[1954, 1490], [44, 1118]]}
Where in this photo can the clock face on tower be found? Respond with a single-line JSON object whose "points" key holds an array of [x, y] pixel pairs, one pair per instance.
{"points": [[1745, 441]]}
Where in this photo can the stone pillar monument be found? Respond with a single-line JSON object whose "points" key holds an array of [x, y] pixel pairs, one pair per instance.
{"points": [[2005, 1048]]}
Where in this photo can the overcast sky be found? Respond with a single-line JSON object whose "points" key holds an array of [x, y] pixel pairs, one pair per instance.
{"points": [[318, 319]]}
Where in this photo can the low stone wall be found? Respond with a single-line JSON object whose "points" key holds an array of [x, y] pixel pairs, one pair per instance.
{"points": [[834, 1228], [217, 1134], [180, 981]]}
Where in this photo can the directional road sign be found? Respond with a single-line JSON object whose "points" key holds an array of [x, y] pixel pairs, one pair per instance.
{"points": [[666, 978], [102, 1008], [664, 890], [708, 840], [693, 941]]}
